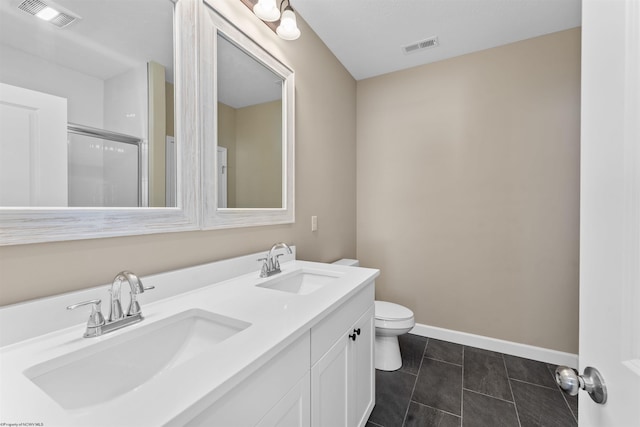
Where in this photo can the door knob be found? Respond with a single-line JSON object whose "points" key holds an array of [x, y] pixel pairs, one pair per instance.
{"points": [[591, 381]]}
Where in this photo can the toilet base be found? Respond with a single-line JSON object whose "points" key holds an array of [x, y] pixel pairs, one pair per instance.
{"points": [[388, 353]]}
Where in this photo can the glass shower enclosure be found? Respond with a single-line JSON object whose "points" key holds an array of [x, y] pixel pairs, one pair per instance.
{"points": [[105, 168]]}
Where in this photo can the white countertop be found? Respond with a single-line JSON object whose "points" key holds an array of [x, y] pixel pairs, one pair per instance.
{"points": [[277, 319]]}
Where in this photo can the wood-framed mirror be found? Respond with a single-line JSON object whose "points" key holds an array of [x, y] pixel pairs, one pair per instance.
{"points": [[247, 107], [164, 191]]}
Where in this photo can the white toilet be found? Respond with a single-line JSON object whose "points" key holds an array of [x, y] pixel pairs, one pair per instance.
{"points": [[391, 321]]}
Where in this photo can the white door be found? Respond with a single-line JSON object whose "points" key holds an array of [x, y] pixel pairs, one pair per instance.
{"points": [[610, 209], [33, 148]]}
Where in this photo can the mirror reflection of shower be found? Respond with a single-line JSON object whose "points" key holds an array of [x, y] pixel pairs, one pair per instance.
{"points": [[104, 168], [93, 78]]}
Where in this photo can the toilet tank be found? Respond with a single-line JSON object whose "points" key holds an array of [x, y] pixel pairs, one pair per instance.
{"points": [[349, 262]]}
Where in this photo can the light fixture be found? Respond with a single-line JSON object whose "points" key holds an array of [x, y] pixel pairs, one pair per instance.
{"points": [[47, 14], [282, 20], [288, 28], [267, 10]]}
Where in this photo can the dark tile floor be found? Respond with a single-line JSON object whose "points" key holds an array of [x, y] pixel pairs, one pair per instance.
{"points": [[445, 384]]}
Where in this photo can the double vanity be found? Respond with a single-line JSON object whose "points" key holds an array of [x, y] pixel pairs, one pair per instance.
{"points": [[218, 346]]}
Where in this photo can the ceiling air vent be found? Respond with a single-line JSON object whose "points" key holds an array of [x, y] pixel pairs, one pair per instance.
{"points": [[421, 45], [34, 7]]}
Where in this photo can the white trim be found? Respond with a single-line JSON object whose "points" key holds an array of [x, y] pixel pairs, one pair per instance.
{"points": [[501, 346]]}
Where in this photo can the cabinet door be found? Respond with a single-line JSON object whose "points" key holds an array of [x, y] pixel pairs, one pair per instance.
{"points": [[293, 410], [343, 380], [330, 387], [362, 369]]}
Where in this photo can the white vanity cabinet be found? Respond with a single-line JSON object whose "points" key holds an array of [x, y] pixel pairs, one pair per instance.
{"points": [[325, 378], [342, 372], [294, 409], [277, 394]]}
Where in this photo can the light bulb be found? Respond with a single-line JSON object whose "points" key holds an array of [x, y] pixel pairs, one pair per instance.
{"points": [[267, 10], [288, 28]]}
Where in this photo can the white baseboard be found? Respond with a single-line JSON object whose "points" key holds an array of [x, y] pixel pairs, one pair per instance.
{"points": [[501, 346]]}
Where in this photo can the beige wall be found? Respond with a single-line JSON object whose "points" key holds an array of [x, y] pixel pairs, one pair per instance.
{"points": [[325, 186], [157, 134], [252, 136], [259, 156], [468, 190], [227, 139]]}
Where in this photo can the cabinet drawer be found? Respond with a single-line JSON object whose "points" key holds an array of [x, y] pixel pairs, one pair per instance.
{"points": [[330, 329]]}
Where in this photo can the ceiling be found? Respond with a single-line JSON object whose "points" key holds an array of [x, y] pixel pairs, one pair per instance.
{"points": [[367, 36], [110, 38], [242, 80]]}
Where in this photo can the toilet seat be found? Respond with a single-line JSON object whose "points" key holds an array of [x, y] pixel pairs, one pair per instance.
{"points": [[389, 311], [393, 316]]}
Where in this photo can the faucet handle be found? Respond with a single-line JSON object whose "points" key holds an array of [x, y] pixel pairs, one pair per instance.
{"points": [[116, 306], [134, 305], [265, 266], [277, 262], [95, 318]]}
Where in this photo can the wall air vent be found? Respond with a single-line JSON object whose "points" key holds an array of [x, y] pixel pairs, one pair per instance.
{"points": [[48, 12], [421, 45]]}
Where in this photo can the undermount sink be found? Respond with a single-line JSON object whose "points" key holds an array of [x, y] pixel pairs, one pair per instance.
{"points": [[302, 281], [118, 365]]}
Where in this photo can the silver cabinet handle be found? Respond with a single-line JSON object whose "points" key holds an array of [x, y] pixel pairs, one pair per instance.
{"points": [[591, 381]]}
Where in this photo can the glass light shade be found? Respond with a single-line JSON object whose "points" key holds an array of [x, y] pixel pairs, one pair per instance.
{"points": [[288, 28], [267, 10]]}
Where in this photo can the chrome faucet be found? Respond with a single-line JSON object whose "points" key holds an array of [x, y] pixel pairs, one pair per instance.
{"points": [[271, 264], [136, 288], [97, 325]]}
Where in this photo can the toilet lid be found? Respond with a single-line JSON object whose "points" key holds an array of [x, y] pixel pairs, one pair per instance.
{"points": [[390, 311]]}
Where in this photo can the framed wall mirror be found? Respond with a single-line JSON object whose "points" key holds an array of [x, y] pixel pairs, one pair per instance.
{"points": [[97, 119], [248, 135]]}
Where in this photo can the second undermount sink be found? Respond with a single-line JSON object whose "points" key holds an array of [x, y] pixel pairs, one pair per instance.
{"points": [[115, 366], [302, 281]]}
